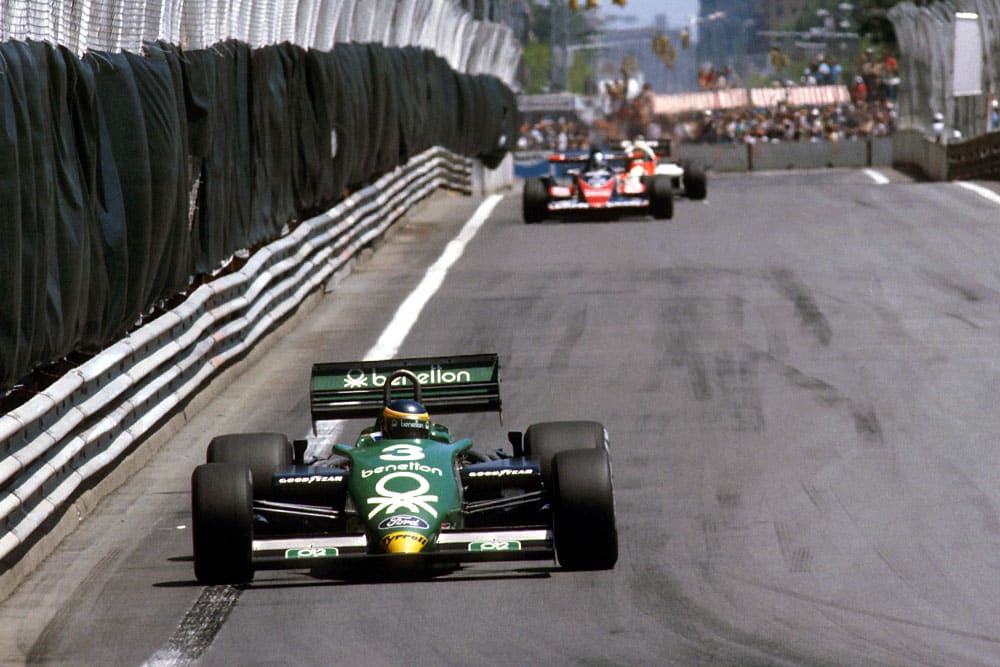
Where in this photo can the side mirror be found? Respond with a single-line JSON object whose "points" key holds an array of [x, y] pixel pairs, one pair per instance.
{"points": [[516, 440]]}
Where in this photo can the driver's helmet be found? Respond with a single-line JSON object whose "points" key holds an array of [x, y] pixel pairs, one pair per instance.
{"points": [[598, 161], [405, 418]]}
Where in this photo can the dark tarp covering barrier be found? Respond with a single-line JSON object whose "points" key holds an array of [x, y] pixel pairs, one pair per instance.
{"points": [[217, 95], [142, 95], [62, 226], [126, 176]]}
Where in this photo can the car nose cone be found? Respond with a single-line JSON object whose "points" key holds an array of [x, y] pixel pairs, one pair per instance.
{"points": [[404, 542]]}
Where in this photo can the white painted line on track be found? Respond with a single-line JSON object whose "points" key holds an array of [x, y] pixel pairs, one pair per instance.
{"points": [[406, 316], [985, 193], [878, 177], [205, 617]]}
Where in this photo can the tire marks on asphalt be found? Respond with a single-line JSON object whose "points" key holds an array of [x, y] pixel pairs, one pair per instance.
{"points": [[798, 293], [702, 341], [198, 627], [797, 556]]}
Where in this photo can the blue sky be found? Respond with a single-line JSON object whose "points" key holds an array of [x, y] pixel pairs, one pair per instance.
{"points": [[677, 11]]}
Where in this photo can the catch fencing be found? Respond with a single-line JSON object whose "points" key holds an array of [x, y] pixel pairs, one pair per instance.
{"points": [[443, 26]]}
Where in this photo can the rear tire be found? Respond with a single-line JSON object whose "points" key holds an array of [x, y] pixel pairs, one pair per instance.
{"points": [[535, 200], [584, 529], [544, 440], [695, 183], [222, 523], [661, 197], [262, 452]]}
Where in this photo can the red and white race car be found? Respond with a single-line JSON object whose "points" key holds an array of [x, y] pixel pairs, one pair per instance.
{"points": [[653, 157], [598, 185]]}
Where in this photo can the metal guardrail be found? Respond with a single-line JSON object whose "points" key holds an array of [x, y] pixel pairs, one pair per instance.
{"points": [[977, 158], [84, 422]]}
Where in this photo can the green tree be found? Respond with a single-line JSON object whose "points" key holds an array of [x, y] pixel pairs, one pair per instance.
{"points": [[536, 57], [536, 60]]}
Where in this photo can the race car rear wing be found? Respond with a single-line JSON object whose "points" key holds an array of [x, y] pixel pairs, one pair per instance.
{"points": [[583, 159], [661, 148], [355, 389]]}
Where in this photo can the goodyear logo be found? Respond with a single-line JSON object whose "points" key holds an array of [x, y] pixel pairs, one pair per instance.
{"points": [[311, 479], [503, 472]]}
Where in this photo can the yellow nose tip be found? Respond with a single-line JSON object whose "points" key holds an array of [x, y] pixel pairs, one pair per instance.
{"points": [[404, 543]]}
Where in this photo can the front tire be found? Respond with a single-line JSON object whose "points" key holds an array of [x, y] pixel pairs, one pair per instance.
{"points": [[535, 200], [222, 523], [583, 517], [544, 440], [262, 452], [661, 197]]}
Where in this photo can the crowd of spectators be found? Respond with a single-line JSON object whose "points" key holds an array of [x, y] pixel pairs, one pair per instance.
{"points": [[834, 122], [877, 79], [559, 134], [871, 112], [712, 78]]}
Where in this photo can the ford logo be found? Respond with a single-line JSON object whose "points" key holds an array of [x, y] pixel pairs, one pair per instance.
{"points": [[403, 521]]}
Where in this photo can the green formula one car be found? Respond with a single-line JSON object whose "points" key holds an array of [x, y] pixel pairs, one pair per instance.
{"points": [[406, 494]]}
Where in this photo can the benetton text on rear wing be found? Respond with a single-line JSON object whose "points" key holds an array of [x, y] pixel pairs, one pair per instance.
{"points": [[354, 389]]}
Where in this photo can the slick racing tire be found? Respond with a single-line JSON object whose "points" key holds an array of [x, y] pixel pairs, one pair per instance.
{"points": [[544, 440], [222, 523], [583, 516], [661, 197], [695, 182], [263, 452], [535, 200]]}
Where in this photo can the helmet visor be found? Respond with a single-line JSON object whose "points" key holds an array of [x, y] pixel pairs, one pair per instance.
{"points": [[407, 427]]}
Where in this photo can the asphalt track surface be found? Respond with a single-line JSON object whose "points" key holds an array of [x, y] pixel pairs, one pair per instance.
{"points": [[800, 381]]}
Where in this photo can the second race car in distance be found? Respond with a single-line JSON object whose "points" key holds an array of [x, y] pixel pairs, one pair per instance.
{"points": [[653, 158], [600, 185]]}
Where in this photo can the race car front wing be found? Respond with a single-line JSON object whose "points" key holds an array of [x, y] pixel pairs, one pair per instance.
{"points": [[574, 205], [452, 546]]}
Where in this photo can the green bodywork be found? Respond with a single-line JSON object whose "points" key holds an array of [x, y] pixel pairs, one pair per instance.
{"points": [[406, 486], [406, 489]]}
